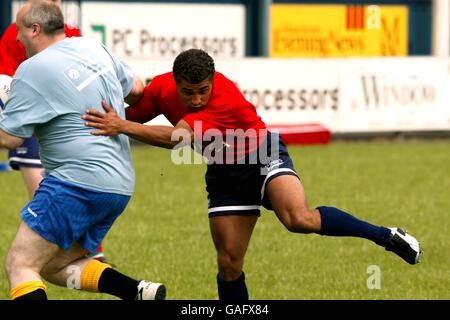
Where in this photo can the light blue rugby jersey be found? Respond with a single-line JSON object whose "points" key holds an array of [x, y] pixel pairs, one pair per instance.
{"points": [[49, 94]]}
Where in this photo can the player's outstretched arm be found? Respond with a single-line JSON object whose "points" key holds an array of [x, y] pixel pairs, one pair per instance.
{"points": [[110, 124]]}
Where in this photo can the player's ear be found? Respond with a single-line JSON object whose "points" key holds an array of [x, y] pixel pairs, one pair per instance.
{"points": [[36, 28]]}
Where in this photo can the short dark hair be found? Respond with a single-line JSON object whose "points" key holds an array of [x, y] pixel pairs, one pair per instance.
{"points": [[193, 66]]}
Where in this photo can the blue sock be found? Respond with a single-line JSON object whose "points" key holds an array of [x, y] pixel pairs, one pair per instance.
{"points": [[341, 224], [234, 290]]}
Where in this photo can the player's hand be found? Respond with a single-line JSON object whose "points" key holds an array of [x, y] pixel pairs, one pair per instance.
{"points": [[108, 123]]}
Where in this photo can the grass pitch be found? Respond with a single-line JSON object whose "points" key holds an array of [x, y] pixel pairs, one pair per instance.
{"points": [[164, 234]]}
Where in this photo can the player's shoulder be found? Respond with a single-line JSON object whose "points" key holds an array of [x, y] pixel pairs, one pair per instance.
{"points": [[42, 65], [164, 77], [10, 32], [162, 86], [226, 87], [81, 42], [222, 83], [71, 31], [218, 76], [12, 27], [162, 80], [78, 45]]}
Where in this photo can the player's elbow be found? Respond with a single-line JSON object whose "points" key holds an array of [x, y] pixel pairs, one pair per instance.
{"points": [[180, 138], [10, 142], [136, 91]]}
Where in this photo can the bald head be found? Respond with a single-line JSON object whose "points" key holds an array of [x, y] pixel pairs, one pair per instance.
{"points": [[43, 12], [57, 2], [40, 23]]}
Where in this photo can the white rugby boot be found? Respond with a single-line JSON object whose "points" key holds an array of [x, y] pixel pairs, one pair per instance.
{"points": [[404, 245], [150, 291]]}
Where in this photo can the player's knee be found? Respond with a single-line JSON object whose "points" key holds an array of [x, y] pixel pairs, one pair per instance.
{"points": [[229, 260], [13, 263], [49, 270], [8, 265], [296, 225], [230, 265]]}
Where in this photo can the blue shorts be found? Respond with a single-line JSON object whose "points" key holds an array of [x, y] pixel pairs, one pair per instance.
{"points": [[65, 213], [239, 189], [26, 155]]}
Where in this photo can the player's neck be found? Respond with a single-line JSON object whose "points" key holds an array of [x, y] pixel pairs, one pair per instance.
{"points": [[49, 41]]}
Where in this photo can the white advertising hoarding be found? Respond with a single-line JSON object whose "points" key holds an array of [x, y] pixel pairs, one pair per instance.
{"points": [[288, 92], [394, 95], [162, 30]]}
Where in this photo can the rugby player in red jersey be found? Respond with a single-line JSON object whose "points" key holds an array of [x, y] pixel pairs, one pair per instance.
{"points": [[248, 166], [26, 157]]}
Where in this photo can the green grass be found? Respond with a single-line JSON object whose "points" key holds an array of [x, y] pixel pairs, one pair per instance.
{"points": [[164, 233]]}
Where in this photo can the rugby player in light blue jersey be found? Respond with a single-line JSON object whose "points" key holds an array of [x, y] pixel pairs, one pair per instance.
{"points": [[88, 180]]}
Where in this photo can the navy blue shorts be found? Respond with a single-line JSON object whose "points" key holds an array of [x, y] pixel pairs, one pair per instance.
{"points": [[26, 155], [65, 213], [239, 189]]}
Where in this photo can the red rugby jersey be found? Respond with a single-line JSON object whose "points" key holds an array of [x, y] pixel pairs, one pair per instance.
{"points": [[12, 52], [227, 111]]}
